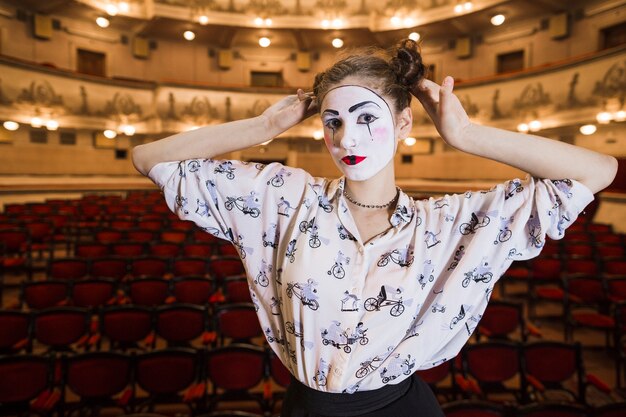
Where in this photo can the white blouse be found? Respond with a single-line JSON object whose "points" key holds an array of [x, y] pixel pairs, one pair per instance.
{"points": [[346, 315]]}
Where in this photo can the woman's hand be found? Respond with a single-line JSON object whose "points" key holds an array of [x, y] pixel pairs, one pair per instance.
{"points": [[290, 111], [445, 110]]}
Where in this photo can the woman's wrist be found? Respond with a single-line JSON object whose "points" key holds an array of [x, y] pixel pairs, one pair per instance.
{"points": [[466, 139]]}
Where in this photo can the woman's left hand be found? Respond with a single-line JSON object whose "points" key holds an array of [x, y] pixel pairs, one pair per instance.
{"points": [[445, 110]]}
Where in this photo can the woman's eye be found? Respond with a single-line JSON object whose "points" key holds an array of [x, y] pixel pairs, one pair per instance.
{"points": [[367, 118], [333, 124]]}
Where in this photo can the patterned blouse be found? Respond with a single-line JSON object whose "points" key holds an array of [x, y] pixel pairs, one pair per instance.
{"points": [[346, 315]]}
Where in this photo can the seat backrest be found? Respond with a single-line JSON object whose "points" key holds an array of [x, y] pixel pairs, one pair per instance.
{"points": [[189, 266], [238, 322], [98, 374], [111, 267], [193, 290], [44, 294], [68, 269], [148, 291], [125, 324], [225, 266], [91, 293], [61, 327], [501, 319], [553, 362], [279, 372], [149, 266], [166, 371], [23, 377], [14, 328], [496, 361], [236, 367], [178, 323]]}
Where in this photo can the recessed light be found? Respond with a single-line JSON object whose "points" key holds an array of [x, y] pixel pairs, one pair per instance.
{"points": [[498, 19], [588, 129], [11, 125], [103, 22], [189, 35], [414, 36]]}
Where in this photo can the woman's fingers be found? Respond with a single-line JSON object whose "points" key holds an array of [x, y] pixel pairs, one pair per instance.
{"points": [[302, 96]]}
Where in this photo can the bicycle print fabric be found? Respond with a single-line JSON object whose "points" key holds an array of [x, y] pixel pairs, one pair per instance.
{"points": [[345, 315]]}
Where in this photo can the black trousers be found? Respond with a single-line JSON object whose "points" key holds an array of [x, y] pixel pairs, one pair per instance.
{"points": [[417, 400]]}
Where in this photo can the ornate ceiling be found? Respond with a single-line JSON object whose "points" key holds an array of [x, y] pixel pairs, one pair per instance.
{"points": [[306, 24]]}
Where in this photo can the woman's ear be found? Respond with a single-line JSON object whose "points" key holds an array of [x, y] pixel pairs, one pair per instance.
{"points": [[405, 123]]}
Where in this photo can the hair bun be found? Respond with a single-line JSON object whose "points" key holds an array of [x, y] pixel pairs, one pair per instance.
{"points": [[407, 63]]}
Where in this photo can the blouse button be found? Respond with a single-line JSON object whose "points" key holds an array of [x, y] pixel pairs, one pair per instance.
{"points": [[338, 372]]}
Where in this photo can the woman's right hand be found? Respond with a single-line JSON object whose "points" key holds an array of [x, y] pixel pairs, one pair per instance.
{"points": [[290, 111]]}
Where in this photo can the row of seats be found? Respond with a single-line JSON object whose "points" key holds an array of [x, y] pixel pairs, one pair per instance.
{"points": [[99, 292], [203, 378], [117, 267], [128, 326], [200, 379]]}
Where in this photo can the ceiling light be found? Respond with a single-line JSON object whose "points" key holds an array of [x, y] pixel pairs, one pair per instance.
{"points": [[396, 21], [604, 117], [189, 35], [414, 36], [268, 22], [410, 141], [337, 23], [498, 19], [588, 129], [467, 6], [523, 127], [203, 19], [408, 22], [258, 21], [11, 125], [52, 125], [111, 9], [337, 42], [103, 22], [458, 8], [124, 6], [534, 125], [110, 134], [620, 116], [325, 24], [36, 122], [318, 134], [128, 130], [265, 42]]}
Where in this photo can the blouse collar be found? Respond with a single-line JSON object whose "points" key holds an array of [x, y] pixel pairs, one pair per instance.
{"points": [[403, 213]]}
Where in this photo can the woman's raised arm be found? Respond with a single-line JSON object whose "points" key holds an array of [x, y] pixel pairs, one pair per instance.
{"points": [[210, 141], [540, 157]]}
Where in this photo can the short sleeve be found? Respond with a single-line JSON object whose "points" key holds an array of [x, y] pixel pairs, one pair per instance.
{"points": [[481, 234], [233, 200], [534, 209]]}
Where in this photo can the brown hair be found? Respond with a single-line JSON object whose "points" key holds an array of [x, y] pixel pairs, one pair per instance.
{"points": [[392, 73]]}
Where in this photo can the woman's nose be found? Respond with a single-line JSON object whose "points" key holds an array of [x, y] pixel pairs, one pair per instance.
{"points": [[348, 139]]}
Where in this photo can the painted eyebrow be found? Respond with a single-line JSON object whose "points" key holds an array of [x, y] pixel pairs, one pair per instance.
{"points": [[335, 112], [361, 104]]}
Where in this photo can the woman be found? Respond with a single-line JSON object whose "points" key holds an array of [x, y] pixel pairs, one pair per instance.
{"points": [[371, 285]]}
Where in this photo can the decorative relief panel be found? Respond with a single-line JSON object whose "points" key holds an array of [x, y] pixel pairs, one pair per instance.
{"points": [[568, 95]]}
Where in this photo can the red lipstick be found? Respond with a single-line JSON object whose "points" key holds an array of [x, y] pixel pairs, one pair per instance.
{"points": [[352, 159]]}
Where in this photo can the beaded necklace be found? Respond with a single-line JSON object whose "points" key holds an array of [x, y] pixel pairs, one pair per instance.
{"points": [[372, 206]]}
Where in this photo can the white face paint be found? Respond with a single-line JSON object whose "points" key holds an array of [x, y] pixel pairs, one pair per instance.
{"points": [[359, 131]]}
